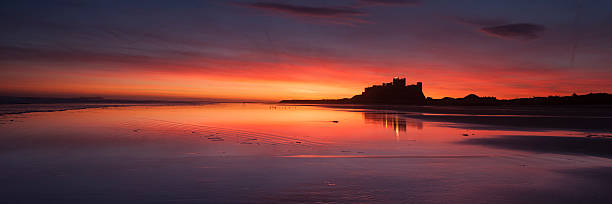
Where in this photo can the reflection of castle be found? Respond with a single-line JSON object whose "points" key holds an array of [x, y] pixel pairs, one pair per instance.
{"points": [[392, 120], [395, 92]]}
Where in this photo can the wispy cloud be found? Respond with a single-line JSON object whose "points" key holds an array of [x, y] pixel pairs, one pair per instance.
{"points": [[480, 21], [391, 2], [307, 10], [523, 31], [341, 15], [347, 15]]}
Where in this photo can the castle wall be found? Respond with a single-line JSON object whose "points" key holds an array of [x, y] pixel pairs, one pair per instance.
{"points": [[395, 92]]}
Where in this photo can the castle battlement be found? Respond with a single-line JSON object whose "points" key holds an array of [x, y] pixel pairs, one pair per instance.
{"points": [[395, 92]]}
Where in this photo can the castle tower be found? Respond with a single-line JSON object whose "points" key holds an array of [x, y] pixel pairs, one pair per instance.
{"points": [[420, 86], [399, 81]]}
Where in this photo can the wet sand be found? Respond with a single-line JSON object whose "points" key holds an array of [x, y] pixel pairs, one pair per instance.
{"points": [[264, 153], [595, 118], [591, 146]]}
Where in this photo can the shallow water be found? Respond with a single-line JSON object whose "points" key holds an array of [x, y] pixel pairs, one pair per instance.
{"points": [[265, 153]]}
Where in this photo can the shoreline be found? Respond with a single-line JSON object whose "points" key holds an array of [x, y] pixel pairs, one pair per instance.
{"points": [[586, 118], [17, 109], [589, 118]]}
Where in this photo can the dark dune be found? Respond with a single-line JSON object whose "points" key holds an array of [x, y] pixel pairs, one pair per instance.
{"points": [[594, 146]]}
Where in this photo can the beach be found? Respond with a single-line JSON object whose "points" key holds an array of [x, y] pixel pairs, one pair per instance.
{"points": [[279, 153]]}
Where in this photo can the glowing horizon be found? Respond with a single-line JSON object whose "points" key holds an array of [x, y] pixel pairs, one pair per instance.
{"points": [[251, 50]]}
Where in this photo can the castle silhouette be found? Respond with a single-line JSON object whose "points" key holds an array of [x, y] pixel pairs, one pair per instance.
{"points": [[397, 92]]}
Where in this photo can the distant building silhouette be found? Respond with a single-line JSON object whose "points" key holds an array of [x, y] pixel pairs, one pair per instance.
{"points": [[395, 92]]}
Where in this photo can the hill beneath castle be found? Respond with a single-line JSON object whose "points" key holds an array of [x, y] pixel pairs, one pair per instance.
{"points": [[398, 93]]}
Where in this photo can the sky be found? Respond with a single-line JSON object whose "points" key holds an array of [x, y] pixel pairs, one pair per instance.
{"points": [[303, 49]]}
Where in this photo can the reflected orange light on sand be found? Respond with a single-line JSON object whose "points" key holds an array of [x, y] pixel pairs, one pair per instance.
{"points": [[236, 128], [313, 124]]}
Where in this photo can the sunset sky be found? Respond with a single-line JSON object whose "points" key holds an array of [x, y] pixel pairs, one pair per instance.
{"points": [[303, 49]]}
